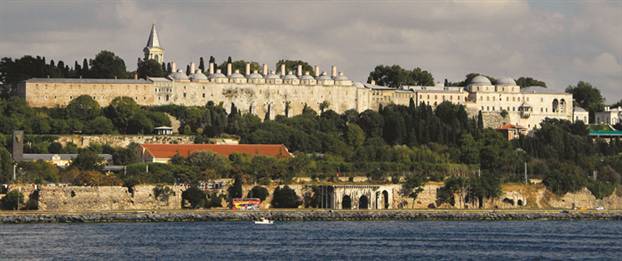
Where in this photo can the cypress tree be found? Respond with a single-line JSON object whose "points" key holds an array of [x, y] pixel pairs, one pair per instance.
{"points": [[85, 67], [212, 59], [201, 64], [188, 72]]}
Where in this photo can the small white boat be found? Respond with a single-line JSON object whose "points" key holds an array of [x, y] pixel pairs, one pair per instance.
{"points": [[264, 221]]}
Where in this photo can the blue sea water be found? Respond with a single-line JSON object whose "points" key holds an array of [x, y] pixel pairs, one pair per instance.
{"points": [[383, 240]]}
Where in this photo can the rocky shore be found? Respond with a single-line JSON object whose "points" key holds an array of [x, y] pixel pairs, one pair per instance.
{"points": [[304, 215]]}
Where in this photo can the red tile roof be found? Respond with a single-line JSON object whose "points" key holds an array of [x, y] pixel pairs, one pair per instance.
{"points": [[508, 126], [170, 150]]}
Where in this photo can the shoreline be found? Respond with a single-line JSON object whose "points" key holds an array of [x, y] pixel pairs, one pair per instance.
{"points": [[23, 217]]}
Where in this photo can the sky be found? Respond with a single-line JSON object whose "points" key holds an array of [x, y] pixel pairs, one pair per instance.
{"points": [[559, 42]]}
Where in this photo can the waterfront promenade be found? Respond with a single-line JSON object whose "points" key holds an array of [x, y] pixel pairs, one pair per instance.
{"points": [[303, 215]]}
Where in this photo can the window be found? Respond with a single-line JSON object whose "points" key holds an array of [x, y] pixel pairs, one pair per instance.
{"points": [[204, 95], [184, 95]]}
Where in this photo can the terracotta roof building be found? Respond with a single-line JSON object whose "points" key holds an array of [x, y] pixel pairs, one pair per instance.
{"points": [[162, 153]]}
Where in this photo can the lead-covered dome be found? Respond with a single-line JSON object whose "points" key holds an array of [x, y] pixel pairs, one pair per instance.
{"points": [[198, 76], [506, 81], [179, 76], [480, 80]]}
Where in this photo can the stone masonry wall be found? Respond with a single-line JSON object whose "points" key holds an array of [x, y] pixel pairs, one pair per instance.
{"points": [[83, 141]]}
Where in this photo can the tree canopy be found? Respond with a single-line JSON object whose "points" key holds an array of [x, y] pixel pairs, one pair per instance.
{"points": [[396, 76]]}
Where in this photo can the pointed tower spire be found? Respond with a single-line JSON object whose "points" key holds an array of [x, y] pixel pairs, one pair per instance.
{"points": [[153, 50], [153, 40]]}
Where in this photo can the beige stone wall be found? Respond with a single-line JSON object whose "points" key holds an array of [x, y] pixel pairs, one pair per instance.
{"points": [[83, 141], [39, 94], [257, 98], [80, 198]]}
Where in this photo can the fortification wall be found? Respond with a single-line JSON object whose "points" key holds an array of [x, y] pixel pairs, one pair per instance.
{"points": [[83, 141], [82, 198]]}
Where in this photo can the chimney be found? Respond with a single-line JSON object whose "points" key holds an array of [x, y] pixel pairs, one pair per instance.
{"points": [[247, 72], [333, 71], [229, 66], [192, 67], [283, 69], [211, 68], [265, 69], [173, 67], [316, 71], [299, 70], [135, 76], [372, 82]]}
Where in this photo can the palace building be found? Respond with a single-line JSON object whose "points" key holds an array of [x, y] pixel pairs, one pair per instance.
{"points": [[277, 92]]}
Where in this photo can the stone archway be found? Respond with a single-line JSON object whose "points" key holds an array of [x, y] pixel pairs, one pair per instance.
{"points": [[385, 197], [363, 202], [346, 202]]}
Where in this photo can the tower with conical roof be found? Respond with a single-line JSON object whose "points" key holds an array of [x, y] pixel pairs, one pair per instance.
{"points": [[153, 50]]}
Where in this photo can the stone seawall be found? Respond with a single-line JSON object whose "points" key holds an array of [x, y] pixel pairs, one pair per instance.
{"points": [[296, 215]]}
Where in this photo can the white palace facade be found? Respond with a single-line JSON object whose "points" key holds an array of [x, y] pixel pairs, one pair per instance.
{"points": [[287, 93]]}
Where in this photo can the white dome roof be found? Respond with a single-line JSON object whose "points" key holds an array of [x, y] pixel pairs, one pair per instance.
{"points": [[480, 80], [307, 77], [272, 75], [198, 76], [290, 76], [237, 75], [255, 75], [324, 77], [341, 77], [506, 81], [218, 74], [179, 75]]}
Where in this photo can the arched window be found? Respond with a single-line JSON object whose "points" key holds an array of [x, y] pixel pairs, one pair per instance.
{"points": [[555, 105], [562, 106]]}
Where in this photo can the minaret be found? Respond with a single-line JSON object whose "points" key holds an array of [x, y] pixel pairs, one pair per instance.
{"points": [[153, 49]]}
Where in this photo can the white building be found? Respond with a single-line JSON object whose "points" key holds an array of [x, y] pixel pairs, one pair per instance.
{"points": [[610, 116], [580, 114]]}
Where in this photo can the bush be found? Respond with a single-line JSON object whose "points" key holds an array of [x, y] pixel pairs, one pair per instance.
{"points": [[601, 189], [194, 196], [258, 192], [285, 198], [33, 201], [12, 200], [162, 193]]}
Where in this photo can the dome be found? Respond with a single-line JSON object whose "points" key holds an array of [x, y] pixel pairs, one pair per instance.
{"points": [[341, 77], [307, 77], [506, 81], [179, 76], [198, 76], [480, 80], [323, 77], [290, 76], [237, 75], [218, 75], [272, 76], [255, 75], [359, 84]]}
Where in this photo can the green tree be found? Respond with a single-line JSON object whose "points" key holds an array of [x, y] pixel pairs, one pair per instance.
{"points": [[354, 136], [83, 107], [258, 192], [396, 76], [194, 197], [12, 201], [235, 191], [528, 81], [120, 111], [107, 65], [285, 197], [292, 66], [587, 97], [87, 160], [413, 186], [150, 68]]}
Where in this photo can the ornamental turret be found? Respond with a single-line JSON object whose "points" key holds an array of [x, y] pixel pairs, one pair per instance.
{"points": [[153, 50]]}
